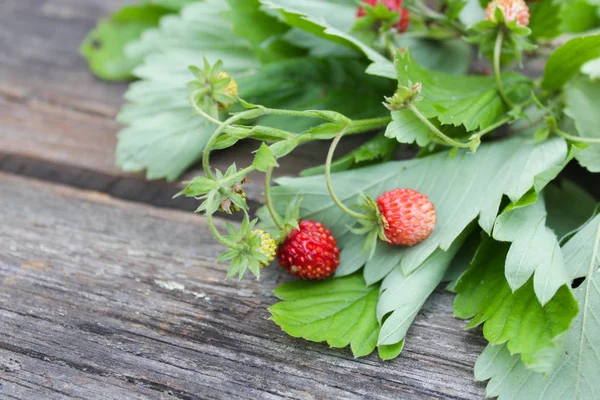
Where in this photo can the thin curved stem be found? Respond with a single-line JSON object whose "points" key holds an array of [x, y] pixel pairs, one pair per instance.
{"points": [[436, 131], [574, 138], [276, 217], [213, 228], [492, 127], [367, 125], [497, 70], [213, 138], [334, 197], [241, 174]]}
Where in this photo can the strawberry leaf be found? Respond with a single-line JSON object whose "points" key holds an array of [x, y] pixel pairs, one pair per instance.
{"points": [[463, 188], [583, 102], [403, 296], [163, 135], [104, 47], [330, 19], [576, 375], [516, 318], [472, 101], [534, 248], [568, 59], [569, 208], [545, 21], [339, 311]]}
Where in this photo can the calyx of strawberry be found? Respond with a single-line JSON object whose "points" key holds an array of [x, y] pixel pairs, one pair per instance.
{"points": [[403, 97], [254, 249], [506, 18], [213, 88], [372, 226]]}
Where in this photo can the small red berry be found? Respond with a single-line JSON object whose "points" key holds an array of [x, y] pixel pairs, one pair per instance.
{"points": [[393, 5], [513, 10], [408, 216], [309, 252]]}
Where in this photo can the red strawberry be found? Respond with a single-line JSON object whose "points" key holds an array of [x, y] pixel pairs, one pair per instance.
{"points": [[408, 216], [513, 10], [393, 5], [309, 252]]}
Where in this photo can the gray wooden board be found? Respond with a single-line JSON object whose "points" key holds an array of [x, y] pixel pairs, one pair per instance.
{"points": [[105, 299], [57, 120]]}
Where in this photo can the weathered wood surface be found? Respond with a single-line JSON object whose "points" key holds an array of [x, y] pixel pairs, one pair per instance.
{"points": [[105, 299], [57, 120]]}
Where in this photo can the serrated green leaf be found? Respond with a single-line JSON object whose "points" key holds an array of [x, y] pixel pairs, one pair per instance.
{"points": [[545, 20], [339, 311], [462, 189], [330, 20], [104, 46], [534, 249], [569, 207], [576, 375], [568, 59], [390, 352], [402, 297], [472, 101], [352, 257], [407, 128], [163, 135], [517, 319], [264, 159], [583, 103]]}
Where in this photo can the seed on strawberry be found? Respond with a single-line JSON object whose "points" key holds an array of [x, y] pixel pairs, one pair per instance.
{"points": [[309, 252], [392, 5], [513, 10], [408, 216]]}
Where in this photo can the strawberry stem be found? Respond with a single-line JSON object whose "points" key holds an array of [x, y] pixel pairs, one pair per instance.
{"points": [[497, 71], [276, 217], [574, 138], [213, 138], [334, 197], [448, 140], [213, 228]]}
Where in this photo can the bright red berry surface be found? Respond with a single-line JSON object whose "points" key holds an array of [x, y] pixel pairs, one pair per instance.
{"points": [[409, 216], [310, 252], [393, 5]]}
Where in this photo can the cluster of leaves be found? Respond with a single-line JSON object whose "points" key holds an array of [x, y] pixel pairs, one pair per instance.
{"points": [[513, 243]]}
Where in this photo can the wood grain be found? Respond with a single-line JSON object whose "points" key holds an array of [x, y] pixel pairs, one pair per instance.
{"points": [[104, 299], [57, 120]]}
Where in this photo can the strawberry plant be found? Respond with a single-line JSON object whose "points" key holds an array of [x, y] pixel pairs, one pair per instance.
{"points": [[482, 205]]}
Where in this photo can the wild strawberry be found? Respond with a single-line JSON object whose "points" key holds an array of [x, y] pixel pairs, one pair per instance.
{"points": [[268, 246], [392, 5], [408, 216], [309, 252], [513, 10]]}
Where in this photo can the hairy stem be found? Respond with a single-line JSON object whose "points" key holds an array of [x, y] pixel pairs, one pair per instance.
{"points": [[492, 127], [213, 228], [334, 197], [276, 217], [574, 138], [213, 138], [448, 140], [497, 71]]}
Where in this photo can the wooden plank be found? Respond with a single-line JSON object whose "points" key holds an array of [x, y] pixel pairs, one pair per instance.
{"points": [[57, 120], [100, 298]]}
